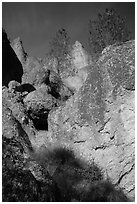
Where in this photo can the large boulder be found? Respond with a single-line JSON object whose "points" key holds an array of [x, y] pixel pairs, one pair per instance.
{"points": [[14, 102], [38, 104], [97, 123], [34, 72], [11, 66]]}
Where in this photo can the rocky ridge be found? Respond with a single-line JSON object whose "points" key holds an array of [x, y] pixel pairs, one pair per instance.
{"points": [[71, 134]]}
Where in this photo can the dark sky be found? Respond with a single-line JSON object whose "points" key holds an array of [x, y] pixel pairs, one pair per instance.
{"points": [[37, 23]]}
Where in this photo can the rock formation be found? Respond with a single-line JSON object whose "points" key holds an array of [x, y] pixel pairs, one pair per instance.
{"points": [[19, 50], [34, 73], [38, 104], [70, 137], [11, 66], [80, 62], [79, 57], [98, 121]]}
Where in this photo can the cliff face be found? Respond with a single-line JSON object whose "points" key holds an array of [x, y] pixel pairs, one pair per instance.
{"points": [[81, 117], [11, 66], [98, 121]]}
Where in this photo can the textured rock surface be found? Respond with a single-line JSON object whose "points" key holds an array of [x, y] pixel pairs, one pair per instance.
{"points": [[23, 179], [17, 46], [76, 82], [38, 104], [14, 102], [72, 139], [94, 121], [79, 66], [34, 73], [21, 183], [58, 89], [10, 63], [80, 57]]}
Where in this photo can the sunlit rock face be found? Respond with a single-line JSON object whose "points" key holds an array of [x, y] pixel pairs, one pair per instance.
{"points": [[17, 46], [98, 122], [80, 57], [80, 61]]}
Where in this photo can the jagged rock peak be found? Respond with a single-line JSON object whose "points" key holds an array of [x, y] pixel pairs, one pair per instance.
{"points": [[17, 46], [77, 45], [80, 57], [11, 66]]}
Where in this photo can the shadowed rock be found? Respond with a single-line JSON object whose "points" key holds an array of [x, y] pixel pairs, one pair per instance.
{"points": [[11, 66], [21, 183]]}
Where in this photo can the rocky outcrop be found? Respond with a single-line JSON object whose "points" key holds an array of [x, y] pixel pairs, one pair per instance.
{"points": [[57, 88], [22, 183], [94, 121], [38, 104], [34, 73], [79, 57], [70, 137], [23, 179], [14, 102], [79, 63], [17, 46], [11, 66]]}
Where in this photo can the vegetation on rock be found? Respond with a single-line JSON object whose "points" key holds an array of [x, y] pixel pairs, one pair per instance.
{"points": [[109, 28]]}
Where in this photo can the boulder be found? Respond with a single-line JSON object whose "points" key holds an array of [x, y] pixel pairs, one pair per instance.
{"points": [[34, 72], [58, 89], [14, 102], [98, 122], [38, 104], [11, 66]]}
